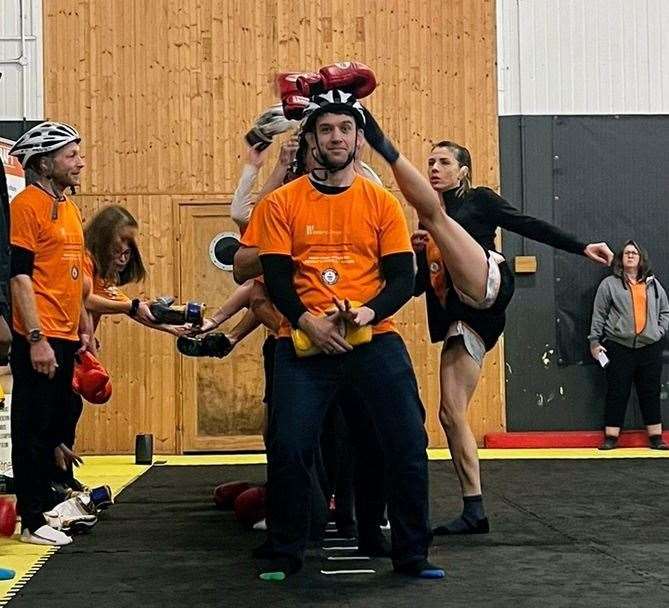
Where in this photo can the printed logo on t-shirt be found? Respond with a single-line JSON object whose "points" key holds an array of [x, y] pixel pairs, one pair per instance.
{"points": [[435, 267], [74, 272], [329, 276]]}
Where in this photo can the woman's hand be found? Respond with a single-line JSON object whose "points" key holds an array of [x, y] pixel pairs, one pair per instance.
{"points": [[596, 349], [599, 252], [144, 313], [288, 151], [208, 324]]}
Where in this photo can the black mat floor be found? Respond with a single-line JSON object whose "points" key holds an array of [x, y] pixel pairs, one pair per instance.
{"points": [[591, 533]]}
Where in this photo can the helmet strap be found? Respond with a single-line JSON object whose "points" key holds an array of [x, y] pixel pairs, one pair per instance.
{"points": [[326, 167]]}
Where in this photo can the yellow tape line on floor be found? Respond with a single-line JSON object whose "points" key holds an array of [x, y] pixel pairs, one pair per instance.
{"points": [[114, 471]]}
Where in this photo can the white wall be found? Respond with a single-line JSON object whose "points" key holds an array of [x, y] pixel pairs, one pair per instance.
{"points": [[14, 84], [583, 56]]}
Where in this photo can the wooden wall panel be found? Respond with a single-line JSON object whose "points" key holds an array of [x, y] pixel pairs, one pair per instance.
{"points": [[162, 91]]}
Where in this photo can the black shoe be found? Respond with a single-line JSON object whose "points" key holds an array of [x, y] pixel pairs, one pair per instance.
{"points": [[610, 443], [215, 344], [279, 568], [655, 442], [420, 569], [462, 525]]}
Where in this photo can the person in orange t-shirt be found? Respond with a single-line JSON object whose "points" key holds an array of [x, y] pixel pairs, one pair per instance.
{"points": [[330, 238], [49, 321], [630, 320]]}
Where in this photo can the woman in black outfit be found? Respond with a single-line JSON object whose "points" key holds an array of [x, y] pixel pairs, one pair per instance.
{"points": [[468, 286]]}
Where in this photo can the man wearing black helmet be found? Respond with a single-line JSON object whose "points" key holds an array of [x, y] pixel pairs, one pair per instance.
{"points": [[337, 262]]}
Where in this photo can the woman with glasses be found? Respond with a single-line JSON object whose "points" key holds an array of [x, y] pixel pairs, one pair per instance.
{"points": [[630, 319]]}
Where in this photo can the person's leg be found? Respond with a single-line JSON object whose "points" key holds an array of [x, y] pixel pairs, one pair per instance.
{"points": [[647, 380], [382, 373], [36, 406], [338, 463], [32, 456], [301, 392], [619, 378], [459, 375], [369, 470], [464, 258]]}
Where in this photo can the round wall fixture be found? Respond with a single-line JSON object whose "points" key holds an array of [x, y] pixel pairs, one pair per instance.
{"points": [[222, 250]]}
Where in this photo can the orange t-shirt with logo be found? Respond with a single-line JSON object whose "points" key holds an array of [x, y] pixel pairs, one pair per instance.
{"points": [[336, 241], [58, 245], [101, 287]]}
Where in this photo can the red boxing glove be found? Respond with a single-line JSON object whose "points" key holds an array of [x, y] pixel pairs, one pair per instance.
{"points": [[103, 395], [293, 103], [293, 106], [350, 76], [90, 379]]}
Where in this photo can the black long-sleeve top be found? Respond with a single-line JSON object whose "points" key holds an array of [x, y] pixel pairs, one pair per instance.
{"points": [[480, 212]]}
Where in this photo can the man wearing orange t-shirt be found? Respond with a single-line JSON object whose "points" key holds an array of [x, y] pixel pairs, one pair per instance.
{"points": [[49, 321], [334, 237]]}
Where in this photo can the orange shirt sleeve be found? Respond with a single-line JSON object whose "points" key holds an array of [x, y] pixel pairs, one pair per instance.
{"points": [[274, 229], [394, 232], [25, 226]]}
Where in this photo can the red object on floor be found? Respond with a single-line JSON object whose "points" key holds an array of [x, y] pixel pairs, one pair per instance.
{"points": [[565, 439]]}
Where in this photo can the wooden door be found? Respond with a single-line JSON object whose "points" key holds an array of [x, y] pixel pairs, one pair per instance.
{"points": [[221, 399]]}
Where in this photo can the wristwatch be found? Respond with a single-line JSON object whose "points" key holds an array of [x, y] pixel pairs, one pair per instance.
{"points": [[134, 307], [35, 335]]}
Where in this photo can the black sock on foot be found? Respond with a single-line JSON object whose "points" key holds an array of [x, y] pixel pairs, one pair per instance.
{"points": [[657, 443], [472, 508], [421, 569]]}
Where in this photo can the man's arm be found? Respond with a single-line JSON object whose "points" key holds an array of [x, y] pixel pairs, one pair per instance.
{"points": [[322, 331], [42, 357], [246, 264]]}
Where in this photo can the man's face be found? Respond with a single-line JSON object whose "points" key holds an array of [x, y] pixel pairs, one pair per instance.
{"points": [[337, 137], [67, 164]]}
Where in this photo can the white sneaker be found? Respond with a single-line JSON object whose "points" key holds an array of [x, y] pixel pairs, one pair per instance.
{"points": [[73, 514], [260, 525], [45, 535]]}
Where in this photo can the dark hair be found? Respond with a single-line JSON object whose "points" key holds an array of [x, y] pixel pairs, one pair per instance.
{"points": [[645, 269], [299, 165], [34, 169], [464, 159], [101, 234]]}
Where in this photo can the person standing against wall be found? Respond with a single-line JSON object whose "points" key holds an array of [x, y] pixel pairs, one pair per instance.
{"points": [[629, 322], [50, 323]]}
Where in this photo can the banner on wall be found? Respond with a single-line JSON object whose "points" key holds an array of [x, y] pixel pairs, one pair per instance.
{"points": [[13, 170]]}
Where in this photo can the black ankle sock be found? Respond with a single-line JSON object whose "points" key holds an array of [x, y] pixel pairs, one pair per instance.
{"points": [[472, 509]]}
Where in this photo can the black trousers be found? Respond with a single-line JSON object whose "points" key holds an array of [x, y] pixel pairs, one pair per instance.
{"points": [[381, 374], [641, 367], [41, 416], [354, 463]]}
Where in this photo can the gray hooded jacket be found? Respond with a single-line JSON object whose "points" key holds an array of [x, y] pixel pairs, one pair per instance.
{"points": [[613, 314]]}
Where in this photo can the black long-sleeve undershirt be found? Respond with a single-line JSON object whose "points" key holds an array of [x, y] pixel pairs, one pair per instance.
{"points": [[396, 269], [481, 210]]}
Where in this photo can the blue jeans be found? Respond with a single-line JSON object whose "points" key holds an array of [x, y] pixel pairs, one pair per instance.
{"points": [[381, 374]]}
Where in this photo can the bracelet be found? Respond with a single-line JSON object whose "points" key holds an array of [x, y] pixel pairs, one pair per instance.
{"points": [[134, 307]]}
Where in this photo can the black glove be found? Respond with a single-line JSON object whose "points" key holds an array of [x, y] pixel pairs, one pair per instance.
{"points": [[376, 138]]}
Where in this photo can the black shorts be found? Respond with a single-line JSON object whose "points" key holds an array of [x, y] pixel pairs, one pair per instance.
{"points": [[487, 323]]}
